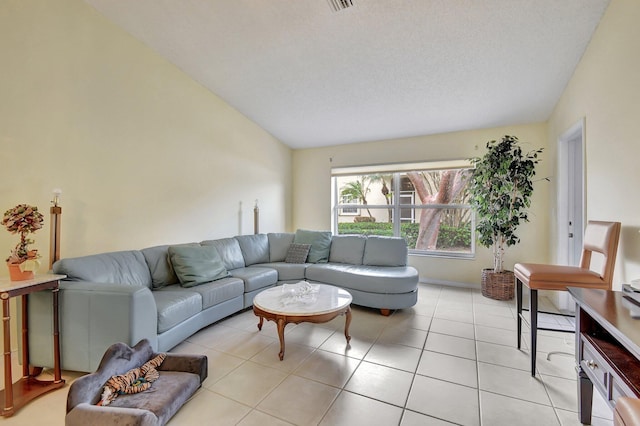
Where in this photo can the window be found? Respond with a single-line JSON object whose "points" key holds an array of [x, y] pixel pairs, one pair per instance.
{"points": [[425, 203], [345, 200], [407, 214]]}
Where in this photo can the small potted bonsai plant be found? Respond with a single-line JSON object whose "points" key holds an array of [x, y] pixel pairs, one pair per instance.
{"points": [[23, 219], [500, 192]]}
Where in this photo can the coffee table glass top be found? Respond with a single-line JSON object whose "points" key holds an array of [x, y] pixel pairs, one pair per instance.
{"points": [[302, 299]]}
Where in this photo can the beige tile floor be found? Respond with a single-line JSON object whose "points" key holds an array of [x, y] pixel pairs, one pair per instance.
{"points": [[451, 359]]}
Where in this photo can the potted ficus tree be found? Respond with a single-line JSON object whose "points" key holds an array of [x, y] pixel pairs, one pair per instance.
{"points": [[500, 191], [23, 219]]}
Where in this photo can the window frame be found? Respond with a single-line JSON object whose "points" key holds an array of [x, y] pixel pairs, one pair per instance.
{"points": [[396, 207]]}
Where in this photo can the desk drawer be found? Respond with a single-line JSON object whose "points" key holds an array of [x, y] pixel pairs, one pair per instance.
{"points": [[595, 366], [611, 369], [618, 389]]}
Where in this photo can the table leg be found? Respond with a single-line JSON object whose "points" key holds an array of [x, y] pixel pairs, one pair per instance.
{"points": [[56, 339], [25, 336], [281, 325], [585, 397], [347, 323], [260, 323], [8, 382]]}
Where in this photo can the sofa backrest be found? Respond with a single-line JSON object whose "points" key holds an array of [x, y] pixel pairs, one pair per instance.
{"points": [[160, 267], [347, 249], [255, 248], [385, 251], [229, 251], [279, 243], [120, 267], [320, 242]]}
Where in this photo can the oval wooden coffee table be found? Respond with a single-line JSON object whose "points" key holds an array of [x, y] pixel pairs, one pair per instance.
{"points": [[278, 304]]}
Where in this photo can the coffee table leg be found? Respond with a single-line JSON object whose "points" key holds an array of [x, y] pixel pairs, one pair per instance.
{"points": [[281, 325], [346, 324], [260, 323]]}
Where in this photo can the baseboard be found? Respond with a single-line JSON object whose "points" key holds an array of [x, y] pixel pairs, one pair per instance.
{"points": [[450, 283]]}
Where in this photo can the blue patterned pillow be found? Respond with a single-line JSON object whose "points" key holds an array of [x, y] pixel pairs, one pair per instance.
{"points": [[297, 253]]}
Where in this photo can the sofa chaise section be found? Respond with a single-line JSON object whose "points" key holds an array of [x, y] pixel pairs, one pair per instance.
{"points": [[373, 269]]}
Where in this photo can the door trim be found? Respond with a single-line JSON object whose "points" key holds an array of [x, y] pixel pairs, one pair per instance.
{"points": [[578, 129]]}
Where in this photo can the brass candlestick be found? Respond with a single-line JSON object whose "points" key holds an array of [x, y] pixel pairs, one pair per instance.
{"points": [[256, 219], [56, 218]]}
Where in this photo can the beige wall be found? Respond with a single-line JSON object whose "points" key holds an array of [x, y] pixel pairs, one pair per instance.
{"points": [[605, 91], [312, 191], [144, 155]]}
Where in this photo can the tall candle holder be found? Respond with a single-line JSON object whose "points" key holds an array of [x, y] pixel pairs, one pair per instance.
{"points": [[56, 218], [256, 219]]}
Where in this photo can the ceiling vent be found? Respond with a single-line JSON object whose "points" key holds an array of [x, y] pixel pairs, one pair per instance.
{"points": [[338, 5]]}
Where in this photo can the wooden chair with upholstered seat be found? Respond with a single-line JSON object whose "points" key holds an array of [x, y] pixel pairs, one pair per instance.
{"points": [[626, 412], [599, 237]]}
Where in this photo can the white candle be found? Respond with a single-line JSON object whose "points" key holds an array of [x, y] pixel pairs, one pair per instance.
{"points": [[56, 196]]}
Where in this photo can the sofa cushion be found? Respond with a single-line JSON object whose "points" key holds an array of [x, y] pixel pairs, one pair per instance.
{"points": [[197, 264], [229, 250], [159, 263], [255, 248], [288, 271], [255, 277], [347, 249], [219, 291], [120, 267], [278, 245], [297, 253], [385, 251], [167, 394], [320, 244], [372, 279], [175, 305]]}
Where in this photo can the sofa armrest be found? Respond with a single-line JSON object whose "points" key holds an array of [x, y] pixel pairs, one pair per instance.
{"points": [[87, 414], [196, 364], [92, 317]]}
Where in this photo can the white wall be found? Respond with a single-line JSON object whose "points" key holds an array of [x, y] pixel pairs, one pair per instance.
{"points": [[312, 191], [144, 155], [605, 91]]}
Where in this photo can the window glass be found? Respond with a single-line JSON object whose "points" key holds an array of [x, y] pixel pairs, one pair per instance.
{"points": [[427, 207]]}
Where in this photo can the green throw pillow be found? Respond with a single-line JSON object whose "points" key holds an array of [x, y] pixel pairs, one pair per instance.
{"points": [[197, 264], [320, 244]]}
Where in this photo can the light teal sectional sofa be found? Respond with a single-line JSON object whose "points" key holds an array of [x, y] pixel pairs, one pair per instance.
{"points": [[130, 295]]}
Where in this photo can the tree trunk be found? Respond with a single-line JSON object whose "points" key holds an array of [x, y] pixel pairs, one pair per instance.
{"points": [[451, 183], [498, 254]]}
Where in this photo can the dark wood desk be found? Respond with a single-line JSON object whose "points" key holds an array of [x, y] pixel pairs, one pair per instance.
{"points": [[15, 395], [607, 348]]}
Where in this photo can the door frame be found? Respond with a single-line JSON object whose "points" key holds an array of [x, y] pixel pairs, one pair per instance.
{"points": [[565, 166], [568, 163]]}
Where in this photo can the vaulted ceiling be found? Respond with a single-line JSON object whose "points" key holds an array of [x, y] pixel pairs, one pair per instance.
{"points": [[380, 69]]}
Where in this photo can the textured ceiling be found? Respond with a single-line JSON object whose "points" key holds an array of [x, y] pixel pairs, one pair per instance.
{"points": [[381, 69]]}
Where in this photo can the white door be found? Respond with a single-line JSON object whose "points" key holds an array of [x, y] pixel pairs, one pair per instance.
{"points": [[571, 220], [571, 195], [574, 199]]}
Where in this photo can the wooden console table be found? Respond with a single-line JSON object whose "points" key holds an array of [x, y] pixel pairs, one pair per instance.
{"points": [[15, 395], [607, 348]]}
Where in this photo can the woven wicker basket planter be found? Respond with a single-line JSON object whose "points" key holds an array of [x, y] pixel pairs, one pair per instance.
{"points": [[498, 286]]}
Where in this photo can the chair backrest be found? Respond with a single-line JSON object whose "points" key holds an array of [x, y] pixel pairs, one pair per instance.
{"points": [[601, 237]]}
